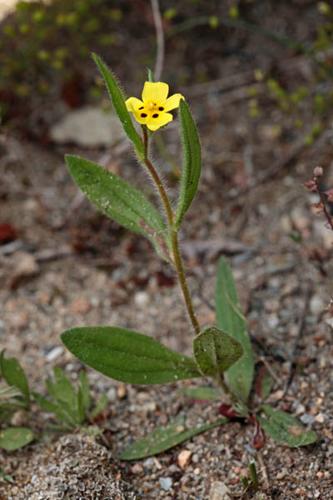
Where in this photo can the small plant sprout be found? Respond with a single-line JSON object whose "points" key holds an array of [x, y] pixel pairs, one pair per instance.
{"points": [[14, 396], [221, 351], [72, 407]]}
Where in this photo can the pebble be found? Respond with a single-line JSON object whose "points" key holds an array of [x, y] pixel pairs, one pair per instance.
{"points": [[112, 394], [183, 458], [317, 304], [320, 418], [165, 483], [141, 299], [137, 469], [219, 491], [81, 305], [307, 419], [121, 391], [54, 353]]}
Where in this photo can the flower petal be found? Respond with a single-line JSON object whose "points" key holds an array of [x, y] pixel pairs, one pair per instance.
{"points": [[155, 92], [133, 104], [162, 119], [139, 118], [173, 102]]}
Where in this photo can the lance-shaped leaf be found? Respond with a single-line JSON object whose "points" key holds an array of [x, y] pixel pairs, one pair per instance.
{"points": [[215, 351], [286, 429], [14, 375], [118, 101], [191, 168], [118, 200], [230, 319], [128, 356], [13, 438], [164, 438]]}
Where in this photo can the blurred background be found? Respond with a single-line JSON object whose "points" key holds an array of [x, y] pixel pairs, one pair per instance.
{"points": [[275, 57]]}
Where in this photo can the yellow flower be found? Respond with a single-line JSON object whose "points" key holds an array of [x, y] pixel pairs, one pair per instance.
{"points": [[153, 109]]}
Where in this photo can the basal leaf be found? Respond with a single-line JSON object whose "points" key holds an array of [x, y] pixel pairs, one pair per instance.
{"points": [[58, 409], [127, 355], [164, 438], [101, 405], [215, 351], [117, 199], [13, 438], [230, 319], [118, 101], [191, 168], [14, 375], [286, 429]]}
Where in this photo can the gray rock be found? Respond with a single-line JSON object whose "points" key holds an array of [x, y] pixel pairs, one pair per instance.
{"points": [[88, 127], [166, 483]]}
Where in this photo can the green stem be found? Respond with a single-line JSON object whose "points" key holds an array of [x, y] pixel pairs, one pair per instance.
{"points": [[178, 261], [177, 258]]}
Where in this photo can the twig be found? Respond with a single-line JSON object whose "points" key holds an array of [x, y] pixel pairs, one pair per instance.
{"points": [[263, 470], [160, 42]]}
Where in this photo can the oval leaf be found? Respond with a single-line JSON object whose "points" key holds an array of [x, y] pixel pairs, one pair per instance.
{"points": [[13, 438], [230, 319], [164, 438], [286, 429], [117, 199], [118, 101], [191, 169], [14, 375], [215, 351], [127, 355]]}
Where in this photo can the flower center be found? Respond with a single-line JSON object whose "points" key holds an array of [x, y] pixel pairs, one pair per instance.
{"points": [[152, 106]]}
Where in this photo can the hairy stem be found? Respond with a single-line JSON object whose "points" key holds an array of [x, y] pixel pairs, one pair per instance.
{"points": [[173, 231]]}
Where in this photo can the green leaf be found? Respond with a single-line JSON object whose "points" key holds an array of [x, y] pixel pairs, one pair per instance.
{"points": [[230, 319], [14, 375], [84, 390], [164, 438], [13, 438], [118, 101], [215, 351], [62, 390], [59, 412], [202, 393], [285, 429], [100, 406], [191, 169], [127, 355], [117, 199]]}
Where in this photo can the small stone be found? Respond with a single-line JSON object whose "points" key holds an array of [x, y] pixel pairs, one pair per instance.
{"points": [[20, 320], [24, 266], [320, 418], [149, 463], [89, 127], [81, 305], [183, 458], [165, 483], [300, 409], [141, 299], [307, 419], [122, 391], [54, 353], [137, 469], [112, 394], [316, 304], [219, 491]]}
